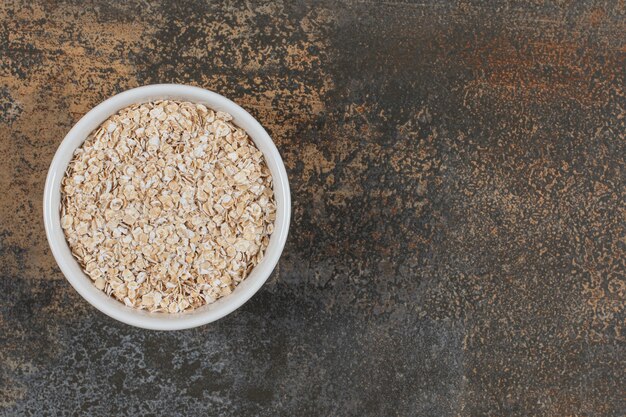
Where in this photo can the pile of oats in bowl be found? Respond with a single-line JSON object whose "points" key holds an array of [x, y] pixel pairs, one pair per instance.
{"points": [[167, 206]]}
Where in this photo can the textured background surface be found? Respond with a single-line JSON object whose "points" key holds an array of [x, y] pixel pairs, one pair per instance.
{"points": [[459, 221]]}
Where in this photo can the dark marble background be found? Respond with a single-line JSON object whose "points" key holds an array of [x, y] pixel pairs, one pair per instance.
{"points": [[458, 243]]}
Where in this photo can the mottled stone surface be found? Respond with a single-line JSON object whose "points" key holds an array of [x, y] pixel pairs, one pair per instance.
{"points": [[458, 241]]}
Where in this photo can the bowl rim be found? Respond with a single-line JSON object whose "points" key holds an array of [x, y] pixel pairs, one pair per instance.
{"points": [[79, 280]]}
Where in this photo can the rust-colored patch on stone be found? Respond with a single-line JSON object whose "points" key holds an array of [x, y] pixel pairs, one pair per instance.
{"points": [[537, 70], [597, 16]]}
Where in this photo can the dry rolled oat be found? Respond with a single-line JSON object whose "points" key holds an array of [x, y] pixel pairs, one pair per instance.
{"points": [[167, 206]]}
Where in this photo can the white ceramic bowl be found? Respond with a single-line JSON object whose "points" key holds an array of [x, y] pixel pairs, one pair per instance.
{"points": [[84, 285]]}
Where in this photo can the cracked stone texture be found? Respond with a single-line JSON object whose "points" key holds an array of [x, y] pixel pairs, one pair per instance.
{"points": [[458, 243]]}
